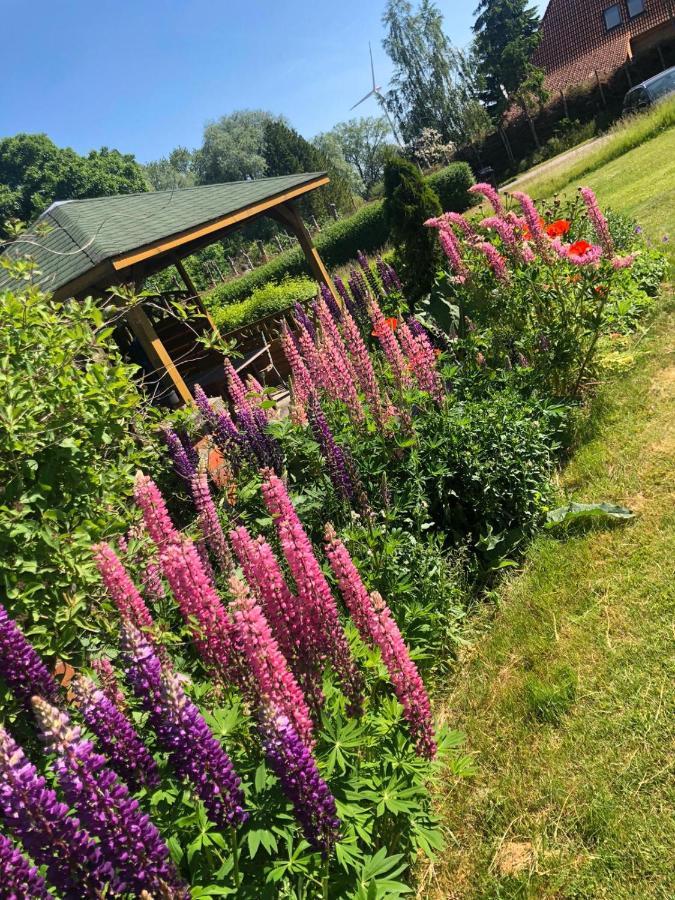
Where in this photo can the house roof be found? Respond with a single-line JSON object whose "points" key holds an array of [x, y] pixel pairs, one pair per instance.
{"points": [[80, 243], [575, 41]]}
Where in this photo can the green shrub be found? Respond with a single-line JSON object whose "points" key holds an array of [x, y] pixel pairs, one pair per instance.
{"points": [[74, 431], [452, 184], [409, 202], [272, 297], [287, 264], [366, 230]]}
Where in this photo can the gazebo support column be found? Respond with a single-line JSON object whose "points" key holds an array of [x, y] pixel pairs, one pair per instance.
{"points": [[194, 293], [289, 216], [155, 350]]}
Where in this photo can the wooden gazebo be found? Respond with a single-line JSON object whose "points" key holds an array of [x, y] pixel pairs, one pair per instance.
{"points": [[86, 247]]}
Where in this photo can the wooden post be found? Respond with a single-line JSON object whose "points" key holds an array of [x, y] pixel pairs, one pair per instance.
{"points": [[261, 248], [194, 293], [155, 350], [564, 100], [602, 93], [290, 216]]}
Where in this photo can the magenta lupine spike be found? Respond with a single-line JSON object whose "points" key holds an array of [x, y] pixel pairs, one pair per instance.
{"points": [[507, 232], [533, 221], [108, 681], [194, 752], [293, 764], [120, 588], [598, 221], [313, 360], [127, 837], [209, 521], [235, 386], [391, 347], [116, 736], [490, 194], [199, 604], [313, 591], [20, 666], [342, 369], [303, 386], [155, 514], [32, 812], [376, 625], [19, 879], [363, 367], [203, 554], [289, 620], [451, 247], [495, 260], [455, 218], [422, 360], [273, 681], [623, 262]]}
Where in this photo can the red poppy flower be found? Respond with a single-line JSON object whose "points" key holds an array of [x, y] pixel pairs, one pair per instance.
{"points": [[391, 322], [579, 248], [558, 228]]}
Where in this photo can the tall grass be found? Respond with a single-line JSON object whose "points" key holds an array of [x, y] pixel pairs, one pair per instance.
{"points": [[625, 135]]}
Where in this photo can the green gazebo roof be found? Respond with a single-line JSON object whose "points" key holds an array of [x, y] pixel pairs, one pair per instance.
{"points": [[81, 243]]}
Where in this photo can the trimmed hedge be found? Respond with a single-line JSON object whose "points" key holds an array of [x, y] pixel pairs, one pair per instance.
{"points": [[452, 184], [338, 243], [264, 301]]}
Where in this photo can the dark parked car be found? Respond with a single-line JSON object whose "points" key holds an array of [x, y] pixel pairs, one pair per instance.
{"points": [[650, 91]]}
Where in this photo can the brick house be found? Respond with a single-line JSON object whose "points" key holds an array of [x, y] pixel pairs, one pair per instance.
{"points": [[580, 37]]}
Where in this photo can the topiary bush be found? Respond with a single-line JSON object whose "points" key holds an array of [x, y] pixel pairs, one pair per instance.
{"points": [[409, 202], [452, 184], [272, 297]]}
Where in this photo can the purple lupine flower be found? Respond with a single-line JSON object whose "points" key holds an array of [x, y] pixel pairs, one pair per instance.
{"points": [[293, 764], [127, 837], [330, 302], [302, 318], [361, 295], [209, 521], [389, 277], [522, 361], [225, 433], [344, 293], [370, 278], [53, 838], [336, 459], [252, 423], [194, 753], [116, 736], [106, 676], [182, 463], [20, 666], [20, 880]]}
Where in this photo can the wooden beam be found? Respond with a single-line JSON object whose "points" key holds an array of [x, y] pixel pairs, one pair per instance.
{"points": [[289, 215], [156, 352], [194, 293], [165, 245]]}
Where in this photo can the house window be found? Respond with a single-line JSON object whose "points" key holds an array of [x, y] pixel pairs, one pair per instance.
{"points": [[635, 7], [612, 16]]}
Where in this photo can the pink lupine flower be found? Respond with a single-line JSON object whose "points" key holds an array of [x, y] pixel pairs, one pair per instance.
{"points": [[274, 682], [377, 627], [623, 262], [209, 521], [422, 360], [155, 514], [120, 588], [495, 260], [235, 386], [200, 605], [152, 581], [341, 369], [598, 221], [390, 346], [303, 387], [533, 221], [507, 233], [325, 634], [363, 367], [455, 218], [313, 361], [490, 194], [451, 247]]}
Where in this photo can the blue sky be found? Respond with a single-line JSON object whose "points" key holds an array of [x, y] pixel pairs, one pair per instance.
{"points": [[145, 75]]}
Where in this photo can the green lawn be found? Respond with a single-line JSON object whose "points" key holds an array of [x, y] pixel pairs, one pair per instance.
{"points": [[566, 692]]}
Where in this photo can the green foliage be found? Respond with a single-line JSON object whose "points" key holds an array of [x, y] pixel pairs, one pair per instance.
{"points": [[409, 202], [34, 172], [265, 300], [452, 184], [73, 431], [174, 171]]}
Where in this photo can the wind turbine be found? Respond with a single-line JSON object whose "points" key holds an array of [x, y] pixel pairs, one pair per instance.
{"points": [[376, 91]]}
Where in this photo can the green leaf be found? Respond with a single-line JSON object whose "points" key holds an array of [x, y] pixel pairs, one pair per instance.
{"points": [[572, 512]]}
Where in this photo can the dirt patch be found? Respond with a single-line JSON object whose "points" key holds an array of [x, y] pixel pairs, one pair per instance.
{"points": [[514, 857], [664, 382]]}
